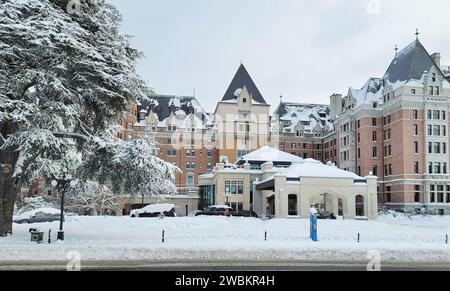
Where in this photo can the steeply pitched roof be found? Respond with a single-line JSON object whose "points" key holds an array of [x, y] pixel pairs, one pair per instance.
{"points": [[410, 63], [241, 79]]}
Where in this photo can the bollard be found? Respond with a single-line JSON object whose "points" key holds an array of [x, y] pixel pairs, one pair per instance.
{"points": [[49, 236], [163, 236], [359, 237], [265, 236]]}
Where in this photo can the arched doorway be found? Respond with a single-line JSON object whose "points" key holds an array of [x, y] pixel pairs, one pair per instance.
{"points": [[329, 203], [359, 204], [292, 205]]}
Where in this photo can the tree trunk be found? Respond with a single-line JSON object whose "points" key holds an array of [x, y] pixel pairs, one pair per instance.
{"points": [[8, 195]]}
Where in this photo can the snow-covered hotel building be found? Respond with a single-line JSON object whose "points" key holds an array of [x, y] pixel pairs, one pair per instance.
{"points": [[275, 183], [396, 126]]}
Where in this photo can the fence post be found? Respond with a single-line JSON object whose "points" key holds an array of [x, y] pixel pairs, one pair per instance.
{"points": [[163, 236]]}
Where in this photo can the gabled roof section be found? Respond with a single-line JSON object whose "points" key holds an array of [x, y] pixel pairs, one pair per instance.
{"points": [[410, 63], [165, 104], [242, 79], [311, 116], [372, 91]]}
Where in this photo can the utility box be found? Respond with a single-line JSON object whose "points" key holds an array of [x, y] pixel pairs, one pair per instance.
{"points": [[37, 236]]}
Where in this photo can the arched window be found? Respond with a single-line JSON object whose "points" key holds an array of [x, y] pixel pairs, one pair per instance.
{"points": [[360, 205], [292, 205]]}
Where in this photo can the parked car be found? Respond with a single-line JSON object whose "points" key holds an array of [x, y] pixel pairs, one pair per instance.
{"points": [[245, 213], [155, 210], [218, 210], [41, 215], [195, 213], [326, 215]]}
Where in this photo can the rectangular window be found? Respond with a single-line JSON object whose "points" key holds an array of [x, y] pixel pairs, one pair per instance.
{"points": [[437, 90], [415, 129], [374, 136], [430, 130], [374, 152], [430, 168], [444, 115], [430, 147], [209, 154], [416, 147], [413, 91], [417, 193], [444, 130], [390, 170], [359, 137], [359, 153], [359, 124], [444, 168], [375, 170], [374, 122], [388, 194], [437, 168], [437, 148], [431, 90], [444, 148], [228, 187], [436, 114], [240, 188], [436, 130], [432, 194], [416, 167]]}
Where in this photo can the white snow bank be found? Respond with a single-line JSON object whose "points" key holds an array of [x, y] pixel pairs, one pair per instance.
{"points": [[400, 239]]}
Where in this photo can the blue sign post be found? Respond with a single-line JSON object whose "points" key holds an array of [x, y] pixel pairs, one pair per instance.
{"points": [[313, 228]]}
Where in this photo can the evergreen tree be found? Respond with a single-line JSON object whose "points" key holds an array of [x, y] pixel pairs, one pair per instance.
{"points": [[67, 75]]}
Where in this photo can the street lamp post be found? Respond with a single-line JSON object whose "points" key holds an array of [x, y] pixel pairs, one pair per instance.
{"points": [[63, 186]]}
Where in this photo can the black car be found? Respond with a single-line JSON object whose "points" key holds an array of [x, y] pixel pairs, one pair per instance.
{"points": [[245, 213], [221, 210]]}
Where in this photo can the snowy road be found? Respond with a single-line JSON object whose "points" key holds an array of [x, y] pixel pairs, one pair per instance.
{"points": [[223, 266], [220, 239]]}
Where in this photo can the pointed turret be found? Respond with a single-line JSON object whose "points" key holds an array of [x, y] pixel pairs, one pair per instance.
{"points": [[242, 79]]}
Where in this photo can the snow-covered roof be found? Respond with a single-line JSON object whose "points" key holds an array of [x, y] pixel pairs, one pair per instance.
{"points": [[313, 168], [269, 154], [371, 92], [181, 106], [305, 116]]}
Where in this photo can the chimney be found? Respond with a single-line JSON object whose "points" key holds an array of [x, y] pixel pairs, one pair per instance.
{"points": [[336, 105], [437, 59]]}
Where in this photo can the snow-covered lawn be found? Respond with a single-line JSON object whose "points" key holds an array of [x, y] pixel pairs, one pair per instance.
{"points": [[218, 238]]}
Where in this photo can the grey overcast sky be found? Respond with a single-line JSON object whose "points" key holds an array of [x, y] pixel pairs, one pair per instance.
{"points": [[304, 50]]}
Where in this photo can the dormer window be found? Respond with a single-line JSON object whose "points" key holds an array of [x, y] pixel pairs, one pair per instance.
{"points": [[375, 104], [434, 77], [244, 100]]}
